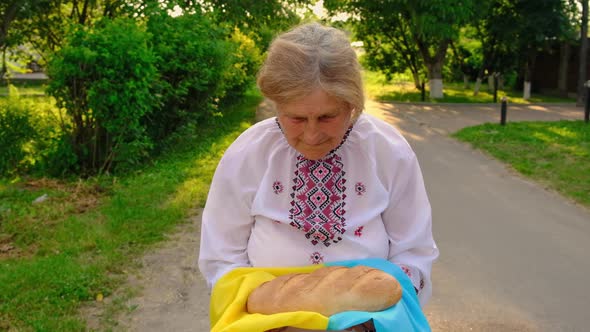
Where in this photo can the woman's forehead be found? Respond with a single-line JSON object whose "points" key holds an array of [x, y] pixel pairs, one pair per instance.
{"points": [[318, 101]]}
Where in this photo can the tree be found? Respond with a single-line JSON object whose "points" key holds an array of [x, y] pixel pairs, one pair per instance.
{"points": [[498, 46], [262, 19], [8, 12], [538, 22], [388, 42], [466, 56], [432, 25], [583, 53], [42, 24], [11, 13]]}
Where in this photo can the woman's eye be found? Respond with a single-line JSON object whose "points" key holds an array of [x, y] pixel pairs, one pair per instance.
{"points": [[326, 118], [297, 120]]}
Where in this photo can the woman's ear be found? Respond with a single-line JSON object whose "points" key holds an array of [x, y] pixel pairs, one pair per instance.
{"points": [[354, 114]]}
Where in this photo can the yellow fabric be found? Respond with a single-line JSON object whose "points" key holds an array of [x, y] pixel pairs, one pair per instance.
{"points": [[228, 303]]}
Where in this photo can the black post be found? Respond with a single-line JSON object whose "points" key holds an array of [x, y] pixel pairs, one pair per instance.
{"points": [[587, 104], [423, 90], [503, 111], [495, 88]]}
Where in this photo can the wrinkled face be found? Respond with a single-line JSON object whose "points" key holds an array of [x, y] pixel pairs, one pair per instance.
{"points": [[315, 124]]}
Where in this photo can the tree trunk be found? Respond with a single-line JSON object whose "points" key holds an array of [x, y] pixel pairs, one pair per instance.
{"points": [[583, 54], [434, 63], [478, 81], [528, 73], [564, 55], [3, 66], [526, 91], [465, 82], [477, 86], [491, 82], [7, 17], [435, 79], [416, 78]]}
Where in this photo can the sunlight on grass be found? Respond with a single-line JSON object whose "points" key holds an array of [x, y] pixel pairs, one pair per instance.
{"points": [[554, 153], [400, 89], [564, 132], [34, 88]]}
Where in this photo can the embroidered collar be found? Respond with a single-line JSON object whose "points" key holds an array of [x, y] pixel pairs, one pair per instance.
{"points": [[331, 151]]}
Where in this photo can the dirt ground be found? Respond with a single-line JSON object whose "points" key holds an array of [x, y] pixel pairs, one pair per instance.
{"points": [[167, 292]]}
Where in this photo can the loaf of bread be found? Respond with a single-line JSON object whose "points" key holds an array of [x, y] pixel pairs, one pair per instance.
{"points": [[327, 290]]}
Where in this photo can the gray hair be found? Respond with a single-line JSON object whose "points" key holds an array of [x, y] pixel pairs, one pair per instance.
{"points": [[309, 57]]}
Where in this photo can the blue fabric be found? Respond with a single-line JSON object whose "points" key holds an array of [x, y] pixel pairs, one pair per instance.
{"points": [[406, 315]]}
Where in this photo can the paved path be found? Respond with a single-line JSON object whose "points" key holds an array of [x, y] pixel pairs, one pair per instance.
{"points": [[513, 255]]}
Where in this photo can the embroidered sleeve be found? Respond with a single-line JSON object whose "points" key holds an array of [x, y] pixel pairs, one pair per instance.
{"points": [[415, 276], [408, 222], [226, 223]]}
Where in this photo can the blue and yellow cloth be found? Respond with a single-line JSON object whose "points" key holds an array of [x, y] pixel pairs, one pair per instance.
{"points": [[228, 303]]}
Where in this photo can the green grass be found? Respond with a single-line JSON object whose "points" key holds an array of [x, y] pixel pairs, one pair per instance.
{"points": [[554, 153], [33, 87], [56, 255], [400, 89]]}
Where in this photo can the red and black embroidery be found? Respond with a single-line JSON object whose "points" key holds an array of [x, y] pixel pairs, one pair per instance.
{"points": [[318, 195], [359, 231], [406, 271], [316, 258], [360, 188], [277, 187]]}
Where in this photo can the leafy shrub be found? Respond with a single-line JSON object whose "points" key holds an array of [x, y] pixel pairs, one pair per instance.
{"points": [[192, 58], [102, 78], [29, 136], [245, 59], [17, 134]]}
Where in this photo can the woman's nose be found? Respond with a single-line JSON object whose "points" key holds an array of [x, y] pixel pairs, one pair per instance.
{"points": [[312, 134]]}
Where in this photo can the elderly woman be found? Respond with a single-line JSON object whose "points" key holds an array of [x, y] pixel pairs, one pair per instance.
{"points": [[321, 181]]}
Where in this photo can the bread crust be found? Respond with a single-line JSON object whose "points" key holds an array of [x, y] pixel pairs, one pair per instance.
{"points": [[327, 290]]}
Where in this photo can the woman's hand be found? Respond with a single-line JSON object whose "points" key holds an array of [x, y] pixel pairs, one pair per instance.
{"points": [[364, 327]]}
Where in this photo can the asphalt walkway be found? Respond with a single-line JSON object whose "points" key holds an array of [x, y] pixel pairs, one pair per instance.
{"points": [[514, 255]]}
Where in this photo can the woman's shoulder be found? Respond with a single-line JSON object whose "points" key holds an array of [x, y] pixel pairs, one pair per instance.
{"points": [[257, 141], [383, 138]]}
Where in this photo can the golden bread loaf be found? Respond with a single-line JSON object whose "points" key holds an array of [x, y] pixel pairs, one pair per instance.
{"points": [[327, 290]]}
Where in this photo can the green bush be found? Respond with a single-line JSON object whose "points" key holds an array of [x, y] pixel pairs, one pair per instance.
{"points": [[192, 56], [102, 77], [17, 135], [245, 59], [29, 136]]}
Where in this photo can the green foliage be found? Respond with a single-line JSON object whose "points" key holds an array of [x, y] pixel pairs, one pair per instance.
{"points": [[245, 59], [554, 153], [200, 66], [414, 35], [192, 56], [29, 131], [102, 78], [124, 84], [17, 133], [259, 19]]}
